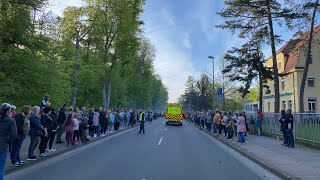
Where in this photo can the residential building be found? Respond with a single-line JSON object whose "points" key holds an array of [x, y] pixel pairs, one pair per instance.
{"points": [[291, 62]]}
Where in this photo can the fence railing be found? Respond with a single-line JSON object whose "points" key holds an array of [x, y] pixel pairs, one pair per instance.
{"points": [[306, 125]]}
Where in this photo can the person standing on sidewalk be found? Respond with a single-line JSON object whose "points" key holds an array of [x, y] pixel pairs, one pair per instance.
{"points": [[111, 121], [8, 132], [141, 121], [241, 127], [35, 132], [45, 121], [284, 127], [61, 119], [216, 123], [224, 123], [23, 127], [289, 122]]}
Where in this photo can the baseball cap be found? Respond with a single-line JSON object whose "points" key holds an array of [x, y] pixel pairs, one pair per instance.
{"points": [[5, 106]]}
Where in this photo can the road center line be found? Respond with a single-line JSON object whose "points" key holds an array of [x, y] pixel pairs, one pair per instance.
{"points": [[160, 141]]}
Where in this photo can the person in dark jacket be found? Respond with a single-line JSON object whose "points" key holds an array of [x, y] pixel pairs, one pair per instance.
{"points": [[103, 122], [289, 124], [117, 120], [283, 127], [46, 123], [62, 116], [35, 132], [8, 132], [21, 123], [53, 132]]}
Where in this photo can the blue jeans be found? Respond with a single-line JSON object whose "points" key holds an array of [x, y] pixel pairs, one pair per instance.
{"points": [[3, 158], [241, 134], [215, 128], [16, 146]]}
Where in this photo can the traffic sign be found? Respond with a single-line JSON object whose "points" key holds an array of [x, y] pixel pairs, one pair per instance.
{"points": [[219, 91]]}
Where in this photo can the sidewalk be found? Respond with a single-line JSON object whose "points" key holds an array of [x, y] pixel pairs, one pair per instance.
{"points": [[297, 163], [60, 148]]}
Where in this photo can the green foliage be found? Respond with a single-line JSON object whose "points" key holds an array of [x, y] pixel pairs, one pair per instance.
{"points": [[38, 55]]}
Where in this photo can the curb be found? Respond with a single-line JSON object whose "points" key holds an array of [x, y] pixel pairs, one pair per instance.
{"points": [[29, 164], [278, 173]]}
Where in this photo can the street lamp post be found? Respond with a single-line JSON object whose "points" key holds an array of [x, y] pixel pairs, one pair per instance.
{"points": [[211, 57]]}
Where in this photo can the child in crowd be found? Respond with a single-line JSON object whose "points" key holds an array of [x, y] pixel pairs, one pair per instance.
{"points": [[252, 126], [69, 125], [76, 128], [83, 130], [230, 129]]}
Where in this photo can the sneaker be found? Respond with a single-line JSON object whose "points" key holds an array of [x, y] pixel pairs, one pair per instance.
{"points": [[108, 132], [46, 153], [43, 155], [52, 150], [88, 137], [32, 158], [15, 164], [103, 135], [94, 136], [111, 131], [21, 163], [48, 150]]}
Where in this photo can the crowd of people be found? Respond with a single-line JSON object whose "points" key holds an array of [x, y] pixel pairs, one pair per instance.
{"points": [[238, 124], [44, 125], [231, 124]]}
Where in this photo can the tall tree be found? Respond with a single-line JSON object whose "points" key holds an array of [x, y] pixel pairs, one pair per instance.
{"points": [[247, 16], [310, 17]]}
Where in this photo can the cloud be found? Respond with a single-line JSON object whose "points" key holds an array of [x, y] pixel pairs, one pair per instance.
{"points": [[58, 6], [186, 41], [173, 61]]}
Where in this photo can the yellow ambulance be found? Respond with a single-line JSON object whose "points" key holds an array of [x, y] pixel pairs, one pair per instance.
{"points": [[174, 114]]}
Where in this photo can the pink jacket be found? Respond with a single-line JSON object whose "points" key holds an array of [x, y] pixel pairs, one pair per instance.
{"points": [[241, 124]]}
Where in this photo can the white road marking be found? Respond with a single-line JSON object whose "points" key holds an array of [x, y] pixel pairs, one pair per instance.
{"points": [[160, 141]]}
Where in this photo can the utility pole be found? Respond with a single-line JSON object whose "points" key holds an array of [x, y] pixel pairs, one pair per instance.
{"points": [[76, 68], [211, 57]]}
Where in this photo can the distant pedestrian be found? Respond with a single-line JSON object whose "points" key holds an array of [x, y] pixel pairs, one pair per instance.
{"points": [[62, 117], [284, 127], [46, 122], [76, 129], [289, 122], [111, 122], [23, 127], [141, 121], [217, 122], [35, 132], [224, 123], [44, 101], [69, 125], [230, 129], [103, 122], [252, 125], [202, 119], [95, 125], [8, 132], [258, 126], [241, 127], [117, 120]]}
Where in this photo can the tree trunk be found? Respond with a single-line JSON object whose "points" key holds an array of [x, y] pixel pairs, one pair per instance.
{"points": [[274, 58], [308, 59], [76, 67], [260, 86], [109, 85], [104, 96]]}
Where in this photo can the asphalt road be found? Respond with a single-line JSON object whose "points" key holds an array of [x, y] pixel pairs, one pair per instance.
{"points": [[163, 153]]}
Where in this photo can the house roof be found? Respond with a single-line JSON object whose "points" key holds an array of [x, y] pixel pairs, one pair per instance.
{"points": [[292, 50]]}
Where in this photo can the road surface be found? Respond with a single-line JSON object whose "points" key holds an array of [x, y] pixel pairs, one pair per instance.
{"points": [[163, 153]]}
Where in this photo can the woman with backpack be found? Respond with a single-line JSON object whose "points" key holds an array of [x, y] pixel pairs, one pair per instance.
{"points": [[23, 126]]}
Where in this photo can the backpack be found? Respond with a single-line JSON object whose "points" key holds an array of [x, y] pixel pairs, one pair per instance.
{"points": [[26, 125]]}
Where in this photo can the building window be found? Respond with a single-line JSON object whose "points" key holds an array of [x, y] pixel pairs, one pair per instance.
{"points": [[311, 82], [284, 105], [268, 106], [283, 87], [290, 104], [312, 103]]}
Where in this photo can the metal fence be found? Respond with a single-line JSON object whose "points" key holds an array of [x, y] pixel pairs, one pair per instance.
{"points": [[306, 125]]}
